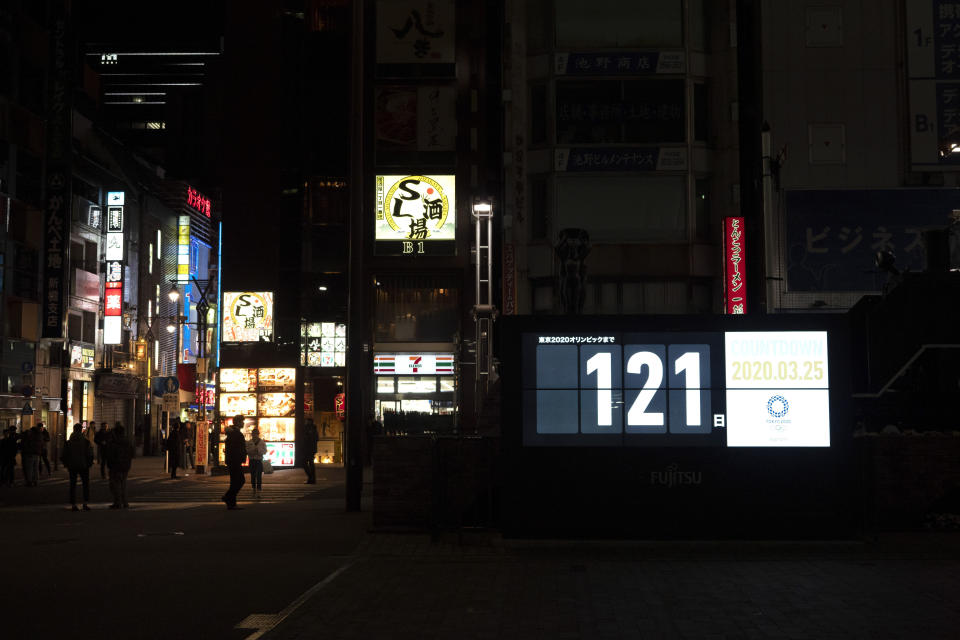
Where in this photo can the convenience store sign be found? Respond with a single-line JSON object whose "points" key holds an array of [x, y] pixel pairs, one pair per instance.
{"points": [[413, 364]]}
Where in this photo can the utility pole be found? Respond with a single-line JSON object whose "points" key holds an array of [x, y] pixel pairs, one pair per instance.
{"points": [[356, 314], [750, 121]]}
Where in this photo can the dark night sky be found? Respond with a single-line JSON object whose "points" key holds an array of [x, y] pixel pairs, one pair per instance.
{"points": [[174, 22]]}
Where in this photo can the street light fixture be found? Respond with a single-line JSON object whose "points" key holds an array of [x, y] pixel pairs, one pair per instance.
{"points": [[174, 293]]}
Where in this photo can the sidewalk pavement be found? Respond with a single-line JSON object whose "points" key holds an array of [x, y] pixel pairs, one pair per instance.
{"points": [[152, 466], [411, 587], [147, 477]]}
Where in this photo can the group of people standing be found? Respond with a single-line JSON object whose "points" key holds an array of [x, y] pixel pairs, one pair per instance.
{"points": [[33, 445], [179, 447], [115, 452]]}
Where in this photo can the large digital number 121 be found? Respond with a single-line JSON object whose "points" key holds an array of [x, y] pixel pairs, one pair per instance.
{"points": [[688, 364]]}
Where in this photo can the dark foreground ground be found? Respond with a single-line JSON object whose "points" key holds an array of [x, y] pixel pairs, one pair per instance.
{"points": [[294, 565]]}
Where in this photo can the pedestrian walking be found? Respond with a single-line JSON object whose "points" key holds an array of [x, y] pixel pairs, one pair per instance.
{"points": [[78, 458], [256, 449], [235, 451], [188, 446], [173, 448], [44, 447], [119, 456], [8, 457], [30, 444], [100, 439], [306, 449]]}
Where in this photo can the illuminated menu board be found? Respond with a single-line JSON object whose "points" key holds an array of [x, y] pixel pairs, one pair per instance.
{"points": [[238, 379], [238, 404], [323, 344], [281, 379], [267, 400], [727, 389], [247, 316]]}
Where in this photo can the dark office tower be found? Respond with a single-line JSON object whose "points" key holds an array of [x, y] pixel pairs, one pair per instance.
{"points": [[152, 67], [283, 157], [617, 123]]}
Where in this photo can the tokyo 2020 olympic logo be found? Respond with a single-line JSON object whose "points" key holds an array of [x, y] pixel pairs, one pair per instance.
{"points": [[777, 406]]}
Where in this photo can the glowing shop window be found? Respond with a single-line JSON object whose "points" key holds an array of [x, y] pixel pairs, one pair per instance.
{"points": [[384, 384], [416, 384]]}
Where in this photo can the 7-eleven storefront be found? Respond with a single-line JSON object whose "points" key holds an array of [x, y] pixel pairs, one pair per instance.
{"points": [[415, 392]]}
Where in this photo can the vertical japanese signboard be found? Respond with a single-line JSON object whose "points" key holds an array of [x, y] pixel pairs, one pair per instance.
{"points": [[203, 444], [509, 279], [198, 201], [113, 285], [416, 215], [933, 69], [183, 249], [734, 263], [58, 179]]}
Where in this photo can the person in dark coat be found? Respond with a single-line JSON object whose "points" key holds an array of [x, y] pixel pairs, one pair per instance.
{"points": [[119, 455], [306, 444], [78, 458], [31, 442], [100, 439], [234, 453], [44, 446], [173, 448], [8, 457]]}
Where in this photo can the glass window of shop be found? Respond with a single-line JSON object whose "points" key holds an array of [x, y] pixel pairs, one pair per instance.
{"points": [[416, 393], [266, 399], [416, 308], [632, 110]]}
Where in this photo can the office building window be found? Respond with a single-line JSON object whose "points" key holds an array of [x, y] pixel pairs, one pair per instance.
{"points": [[614, 23], [89, 327], [538, 210], [538, 114], [701, 110], [701, 204], [618, 209], [611, 111]]}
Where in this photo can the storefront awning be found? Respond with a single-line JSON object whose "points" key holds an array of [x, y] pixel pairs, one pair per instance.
{"points": [[115, 385]]}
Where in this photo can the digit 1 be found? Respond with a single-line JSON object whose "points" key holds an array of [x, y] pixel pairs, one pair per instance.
{"points": [[600, 363], [689, 365], [420, 247]]}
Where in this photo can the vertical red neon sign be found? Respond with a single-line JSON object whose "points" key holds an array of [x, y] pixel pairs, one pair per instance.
{"points": [[734, 261]]}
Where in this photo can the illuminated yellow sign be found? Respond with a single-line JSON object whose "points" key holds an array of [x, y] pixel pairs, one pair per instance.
{"points": [[183, 249], [248, 316], [415, 214]]}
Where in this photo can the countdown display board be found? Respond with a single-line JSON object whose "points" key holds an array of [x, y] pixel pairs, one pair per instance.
{"points": [[678, 427], [721, 389]]}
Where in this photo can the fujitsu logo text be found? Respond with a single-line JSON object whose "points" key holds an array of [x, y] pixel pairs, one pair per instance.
{"points": [[672, 476]]}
